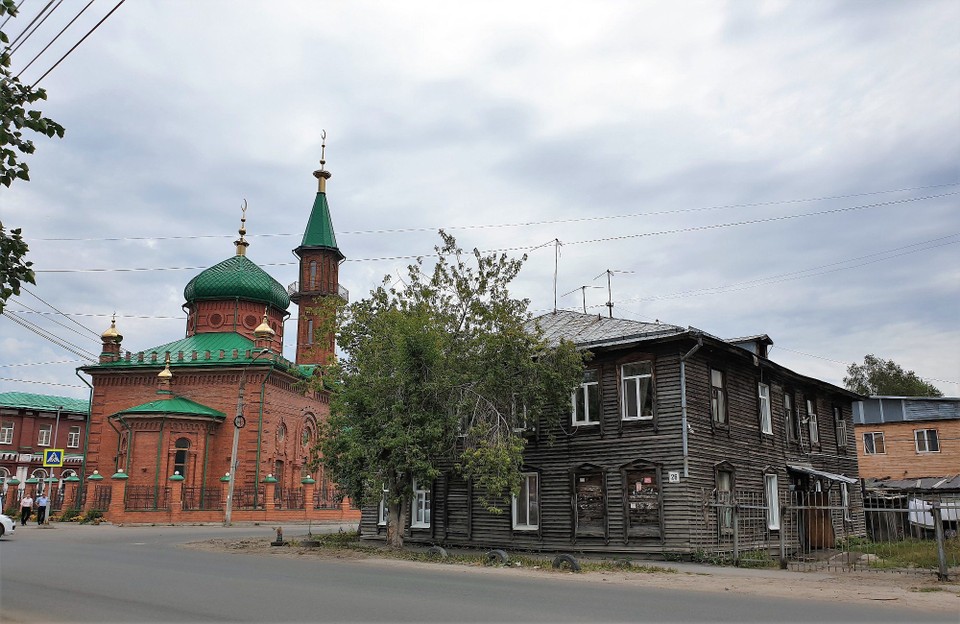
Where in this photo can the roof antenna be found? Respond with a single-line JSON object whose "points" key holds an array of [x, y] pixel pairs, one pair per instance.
{"points": [[583, 291], [609, 273], [556, 269]]}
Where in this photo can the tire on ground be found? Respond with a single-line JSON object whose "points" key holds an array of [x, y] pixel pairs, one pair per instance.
{"points": [[437, 551], [564, 559], [497, 557]]}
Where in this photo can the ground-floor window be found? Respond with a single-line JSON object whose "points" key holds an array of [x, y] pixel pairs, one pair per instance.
{"points": [[526, 504], [772, 494], [591, 508], [642, 498], [421, 507], [725, 498]]}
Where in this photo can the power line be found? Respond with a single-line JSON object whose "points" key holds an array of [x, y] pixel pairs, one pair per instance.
{"points": [[37, 27], [526, 248], [77, 44], [9, 15], [38, 363], [505, 225], [95, 335], [28, 26], [58, 323], [52, 41], [45, 383], [63, 344]]}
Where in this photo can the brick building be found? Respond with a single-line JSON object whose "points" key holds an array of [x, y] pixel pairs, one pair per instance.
{"points": [[30, 423], [167, 421], [900, 438]]}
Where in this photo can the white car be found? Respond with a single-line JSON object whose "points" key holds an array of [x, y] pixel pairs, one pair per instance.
{"points": [[7, 525]]}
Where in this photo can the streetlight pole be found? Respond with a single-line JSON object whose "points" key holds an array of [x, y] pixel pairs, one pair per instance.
{"points": [[238, 423]]}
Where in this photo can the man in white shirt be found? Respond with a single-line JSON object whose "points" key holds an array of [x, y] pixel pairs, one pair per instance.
{"points": [[26, 508]]}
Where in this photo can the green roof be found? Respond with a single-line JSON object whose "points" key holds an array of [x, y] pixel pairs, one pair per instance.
{"points": [[43, 402], [237, 278], [177, 406], [214, 342], [319, 232]]}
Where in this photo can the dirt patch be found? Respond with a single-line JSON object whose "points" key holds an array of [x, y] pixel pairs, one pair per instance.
{"points": [[924, 593]]}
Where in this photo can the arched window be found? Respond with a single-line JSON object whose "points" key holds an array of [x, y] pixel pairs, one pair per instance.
{"points": [[281, 434], [180, 457], [310, 331]]}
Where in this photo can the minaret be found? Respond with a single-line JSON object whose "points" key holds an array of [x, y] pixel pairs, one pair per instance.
{"points": [[319, 274], [111, 339]]}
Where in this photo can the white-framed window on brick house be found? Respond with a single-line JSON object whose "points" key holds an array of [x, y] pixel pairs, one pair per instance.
{"points": [[873, 443], [840, 425], [526, 504], [43, 435], [586, 399], [636, 385], [420, 518], [813, 427], [6, 432], [766, 417], [772, 496], [718, 396], [73, 437], [927, 440]]}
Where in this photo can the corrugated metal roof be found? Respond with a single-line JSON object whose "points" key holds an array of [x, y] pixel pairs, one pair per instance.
{"points": [[177, 406], [591, 330], [214, 342], [43, 402], [948, 482]]}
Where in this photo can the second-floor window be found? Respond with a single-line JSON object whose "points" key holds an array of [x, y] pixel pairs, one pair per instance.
{"points": [[637, 386], [789, 416], [6, 432], [43, 439], [841, 427], [927, 440], [813, 427], [718, 396], [766, 418], [73, 437], [586, 399], [873, 443]]}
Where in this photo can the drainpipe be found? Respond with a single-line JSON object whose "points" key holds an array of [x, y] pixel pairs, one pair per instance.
{"points": [[263, 389], [86, 433], [683, 401]]}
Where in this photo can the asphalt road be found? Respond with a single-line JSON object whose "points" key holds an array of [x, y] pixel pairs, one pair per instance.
{"points": [[138, 574]]}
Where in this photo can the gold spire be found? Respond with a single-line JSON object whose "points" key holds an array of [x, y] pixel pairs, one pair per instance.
{"points": [[321, 174], [242, 244], [112, 335], [264, 330], [165, 373]]}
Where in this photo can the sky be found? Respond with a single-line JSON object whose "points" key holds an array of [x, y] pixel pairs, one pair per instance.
{"points": [[780, 168]]}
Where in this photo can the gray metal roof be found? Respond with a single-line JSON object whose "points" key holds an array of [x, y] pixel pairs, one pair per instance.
{"points": [[949, 482], [593, 330]]}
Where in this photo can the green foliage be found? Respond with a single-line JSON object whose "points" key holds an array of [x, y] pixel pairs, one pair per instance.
{"points": [[14, 271], [442, 373], [879, 377], [92, 517], [70, 515], [16, 116]]}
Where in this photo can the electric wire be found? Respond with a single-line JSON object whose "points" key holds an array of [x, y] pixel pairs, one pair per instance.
{"points": [[45, 383], [37, 27], [77, 44], [52, 41], [80, 325], [20, 364], [501, 225], [28, 26], [60, 342], [55, 321], [9, 15]]}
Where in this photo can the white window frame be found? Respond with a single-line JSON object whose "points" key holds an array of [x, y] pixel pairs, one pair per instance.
{"points": [[872, 449], [384, 509], [772, 493], [420, 511], [580, 398], [6, 432], [813, 425], [636, 382], [73, 437], [530, 484], [766, 415], [44, 433], [926, 440], [840, 425]]}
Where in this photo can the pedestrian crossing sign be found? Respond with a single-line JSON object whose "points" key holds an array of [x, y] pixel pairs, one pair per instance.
{"points": [[52, 458]]}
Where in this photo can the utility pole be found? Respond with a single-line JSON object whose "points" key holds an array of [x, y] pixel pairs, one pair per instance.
{"points": [[238, 423]]}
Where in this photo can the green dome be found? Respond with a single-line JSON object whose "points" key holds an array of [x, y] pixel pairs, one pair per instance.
{"points": [[237, 278]]}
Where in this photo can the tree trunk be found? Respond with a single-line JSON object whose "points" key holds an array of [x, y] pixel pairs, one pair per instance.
{"points": [[396, 518]]}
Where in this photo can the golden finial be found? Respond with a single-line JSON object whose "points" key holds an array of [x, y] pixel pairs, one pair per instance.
{"points": [[112, 335], [242, 244], [264, 331], [165, 373], [321, 174]]}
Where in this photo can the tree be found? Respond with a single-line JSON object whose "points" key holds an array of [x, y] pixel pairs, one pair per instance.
{"points": [[879, 377], [15, 117], [440, 374]]}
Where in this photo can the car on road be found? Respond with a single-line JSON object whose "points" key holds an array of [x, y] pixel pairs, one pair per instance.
{"points": [[7, 525]]}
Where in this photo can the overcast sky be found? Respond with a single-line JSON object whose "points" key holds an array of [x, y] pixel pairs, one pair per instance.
{"points": [[788, 168]]}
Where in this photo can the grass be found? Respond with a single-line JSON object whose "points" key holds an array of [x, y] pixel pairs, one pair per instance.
{"points": [[909, 553], [350, 541]]}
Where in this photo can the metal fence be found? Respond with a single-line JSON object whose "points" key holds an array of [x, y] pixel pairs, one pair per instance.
{"points": [[249, 497], [288, 498], [836, 530], [146, 498], [202, 499], [327, 497]]}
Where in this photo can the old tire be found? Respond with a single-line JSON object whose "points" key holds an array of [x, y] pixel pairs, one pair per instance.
{"points": [[437, 551], [566, 560], [497, 557]]}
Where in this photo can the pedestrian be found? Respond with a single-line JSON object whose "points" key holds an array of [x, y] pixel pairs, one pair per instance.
{"points": [[42, 503], [26, 508]]}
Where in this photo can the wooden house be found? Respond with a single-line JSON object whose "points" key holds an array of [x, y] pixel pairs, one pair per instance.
{"points": [[674, 438]]}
